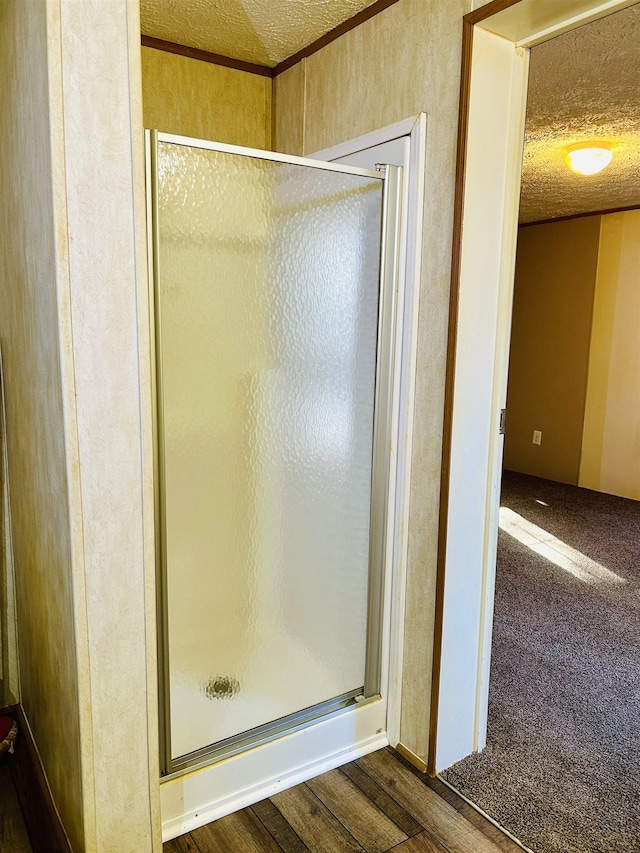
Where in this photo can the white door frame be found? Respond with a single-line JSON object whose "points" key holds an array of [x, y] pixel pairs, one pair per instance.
{"points": [[415, 129], [497, 38]]}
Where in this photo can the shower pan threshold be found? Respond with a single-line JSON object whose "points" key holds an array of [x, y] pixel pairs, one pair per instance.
{"points": [[268, 732]]}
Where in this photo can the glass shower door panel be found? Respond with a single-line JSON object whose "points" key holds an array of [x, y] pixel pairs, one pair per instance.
{"points": [[268, 314]]}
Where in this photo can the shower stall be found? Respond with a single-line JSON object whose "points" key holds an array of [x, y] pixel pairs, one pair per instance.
{"points": [[273, 297]]}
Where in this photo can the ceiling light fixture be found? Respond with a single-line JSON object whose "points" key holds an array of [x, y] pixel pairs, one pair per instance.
{"points": [[588, 159]]}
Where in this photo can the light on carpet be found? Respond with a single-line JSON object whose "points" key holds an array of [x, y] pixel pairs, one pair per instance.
{"points": [[555, 550]]}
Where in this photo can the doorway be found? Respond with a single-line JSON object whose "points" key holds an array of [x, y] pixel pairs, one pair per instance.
{"points": [[560, 762], [576, 560], [497, 39]]}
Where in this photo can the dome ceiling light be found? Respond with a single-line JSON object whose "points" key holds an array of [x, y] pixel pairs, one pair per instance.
{"points": [[588, 159]]}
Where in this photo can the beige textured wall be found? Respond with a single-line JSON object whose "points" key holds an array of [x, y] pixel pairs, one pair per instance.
{"points": [[611, 446], [9, 676], [288, 115], [551, 327], [403, 61], [194, 98], [30, 337], [74, 332], [102, 151]]}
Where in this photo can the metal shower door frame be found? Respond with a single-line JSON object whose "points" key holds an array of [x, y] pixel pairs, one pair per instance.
{"points": [[391, 177]]}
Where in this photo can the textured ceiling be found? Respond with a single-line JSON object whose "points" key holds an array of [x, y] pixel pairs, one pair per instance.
{"points": [[583, 86], [261, 31]]}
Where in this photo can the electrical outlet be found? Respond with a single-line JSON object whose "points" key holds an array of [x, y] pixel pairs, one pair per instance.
{"points": [[537, 436]]}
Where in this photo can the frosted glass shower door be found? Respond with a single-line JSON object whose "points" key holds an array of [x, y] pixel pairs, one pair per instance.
{"points": [[267, 298]]}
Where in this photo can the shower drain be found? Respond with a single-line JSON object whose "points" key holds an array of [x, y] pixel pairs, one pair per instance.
{"points": [[221, 687]]}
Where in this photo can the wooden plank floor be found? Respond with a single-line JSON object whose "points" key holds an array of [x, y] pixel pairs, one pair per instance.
{"points": [[13, 834], [375, 804]]}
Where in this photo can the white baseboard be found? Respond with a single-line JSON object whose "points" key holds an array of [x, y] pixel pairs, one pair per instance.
{"points": [[197, 798]]}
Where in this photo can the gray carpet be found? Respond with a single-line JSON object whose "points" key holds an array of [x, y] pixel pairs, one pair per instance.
{"points": [[562, 767]]}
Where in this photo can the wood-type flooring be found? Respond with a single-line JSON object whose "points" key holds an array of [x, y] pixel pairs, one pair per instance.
{"points": [[13, 834], [375, 804]]}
